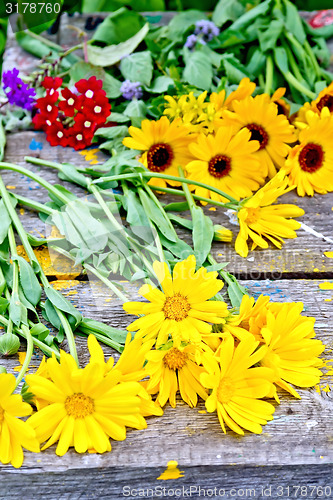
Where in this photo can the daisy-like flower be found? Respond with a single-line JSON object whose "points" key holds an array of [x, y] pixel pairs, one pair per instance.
{"points": [[244, 89], [14, 433], [250, 318], [85, 407], [237, 389], [226, 162], [272, 130], [164, 146], [172, 369], [175, 107], [259, 219], [324, 100], [310, 164], [182, 309], [292, 350]]}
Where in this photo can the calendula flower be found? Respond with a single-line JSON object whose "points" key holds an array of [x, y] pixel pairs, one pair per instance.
{"points": [[283, 106], [221, 233], [250, 318], [237, 389], [226, 162], [130, 365], [182, 309], [164, 146], [310, 164], [172, 369], [221, 102], [259, 219], [175, 107], [292, 350], [273, 131], [14, 433], [324, 100], [85, 406]]}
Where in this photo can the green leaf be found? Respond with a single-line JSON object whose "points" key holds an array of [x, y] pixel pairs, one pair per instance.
{"points": [[16, 310], [138, 67], [91, 326], [5, 222], [112, 87], [268, 38], [202, 235], [155, 214], [281, 59], [181, 22], [179, 249], [136, 110], [112, 132], [59, 301], [250, 16], [39, 330], [69, 173], [85, 70], [161, 84], [111, 54], [179, 206], [227, 11], [257, 63], [136, 215], [198, 70], [29, 282], [293, 22], [235, 71], [3, 305], [118, 26]]}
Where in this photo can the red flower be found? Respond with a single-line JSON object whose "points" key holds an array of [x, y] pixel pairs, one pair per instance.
{"points": [[46, 106], [90, 88], [84, 124], [57, 135], [41, 121], [79, 138], [98, 109], [71, 103], [51, 84]]}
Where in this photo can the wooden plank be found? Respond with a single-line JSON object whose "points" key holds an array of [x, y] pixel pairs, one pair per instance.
{"points": [[190, 436]]}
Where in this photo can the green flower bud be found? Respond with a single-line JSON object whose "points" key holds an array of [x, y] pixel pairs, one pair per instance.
{"points": [[9, 344], [3, 369], [221, 233]]}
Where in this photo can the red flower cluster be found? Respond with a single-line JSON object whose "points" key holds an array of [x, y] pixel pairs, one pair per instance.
{"points": [[72, 119]]}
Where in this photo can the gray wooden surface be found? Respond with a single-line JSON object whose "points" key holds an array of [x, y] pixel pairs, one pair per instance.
{"points": [[295, 449]]}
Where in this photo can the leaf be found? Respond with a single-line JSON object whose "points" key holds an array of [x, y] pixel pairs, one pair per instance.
{"points": [[16, 313], [136, 110], [153, 211], [111, 54], [181, 22], [250, 16], [179, 206], [180, 249], [5, 222], [294, 22], [227, 11], [138, 67], [235, 71], [112, 88], [3, 305], [69, 173], [39, 330], [29, 282], [59, 301], [112, 132], [161, 84], [268, 37], [257, 63], [85, 70], [136, 215], [118, 26], [198, 70], [202, 235], [281, 59]]}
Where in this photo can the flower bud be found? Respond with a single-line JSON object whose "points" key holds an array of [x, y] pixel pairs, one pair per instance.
{"points": [[221, 233], [2, 370], [9, 344]]}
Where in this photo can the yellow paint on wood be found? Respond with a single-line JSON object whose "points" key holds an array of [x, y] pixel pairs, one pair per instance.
{"points": [[171, 472], [326, 286]]}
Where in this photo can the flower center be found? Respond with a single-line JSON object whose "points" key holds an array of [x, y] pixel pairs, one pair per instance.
{"points": [[79, 137], [225, 390], [311, 158], [79, 406], [175, 359], [176, 307], [252, 215], [97, 109], [2, 415], [60, 134], [326, 101], [87, 124], [258, 134], [89, 94], [219, 166], [159, 157], [70, 101], [49, 108]]}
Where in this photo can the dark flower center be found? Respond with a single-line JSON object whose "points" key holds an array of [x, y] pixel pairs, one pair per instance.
{"points": [[311, 158], [258, 134], [326, 101], [219, 166], [159, 157]]}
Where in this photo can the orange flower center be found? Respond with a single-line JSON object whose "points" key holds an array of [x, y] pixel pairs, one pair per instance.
{"points": [[175, 359], [326, 101], [258, 133], [2, 415], [311, 158], [219, 166], [225, 390], [176, 307], [252, 215], [159, 157], [79, 406]]}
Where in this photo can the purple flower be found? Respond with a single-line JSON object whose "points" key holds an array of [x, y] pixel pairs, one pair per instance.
{"points": [[207, 29], [131, 90], [17, 91], [191, 40]]}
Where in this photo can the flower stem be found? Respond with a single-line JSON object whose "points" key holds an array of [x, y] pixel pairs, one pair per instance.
{"points": [[269, 75], [30, 349], [69, 334], [177, 192]]}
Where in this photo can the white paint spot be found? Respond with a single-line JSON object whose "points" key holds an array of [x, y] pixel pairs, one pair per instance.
{"points": [[311, 423], [232, 214], [309, 230]]}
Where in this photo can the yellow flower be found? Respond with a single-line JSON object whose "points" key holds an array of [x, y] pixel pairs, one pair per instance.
{"points": [[130, 365], [310, 164], [164, 146], [259, 219], [182, 309], [173, 369], [14, 433], [227, 162], [244, 89], [85, 406], [283, 106], [324, 100], [292, 351], [272, 130], [250, 319], [221, 233], [175, 107], [237, 388]]}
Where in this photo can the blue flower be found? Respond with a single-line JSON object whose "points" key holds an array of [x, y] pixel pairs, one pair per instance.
{"points": [[131, 90], [207, 29]]}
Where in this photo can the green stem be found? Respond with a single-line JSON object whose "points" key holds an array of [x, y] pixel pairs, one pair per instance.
{"points": [[298, 86], [158, 204], [30, 349], [313, 59], [177, 192], [292, 62], [34, 205], [166, 177], [69, 333], [269, 75], [15, 287], [102, 338], [235, 290]]}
